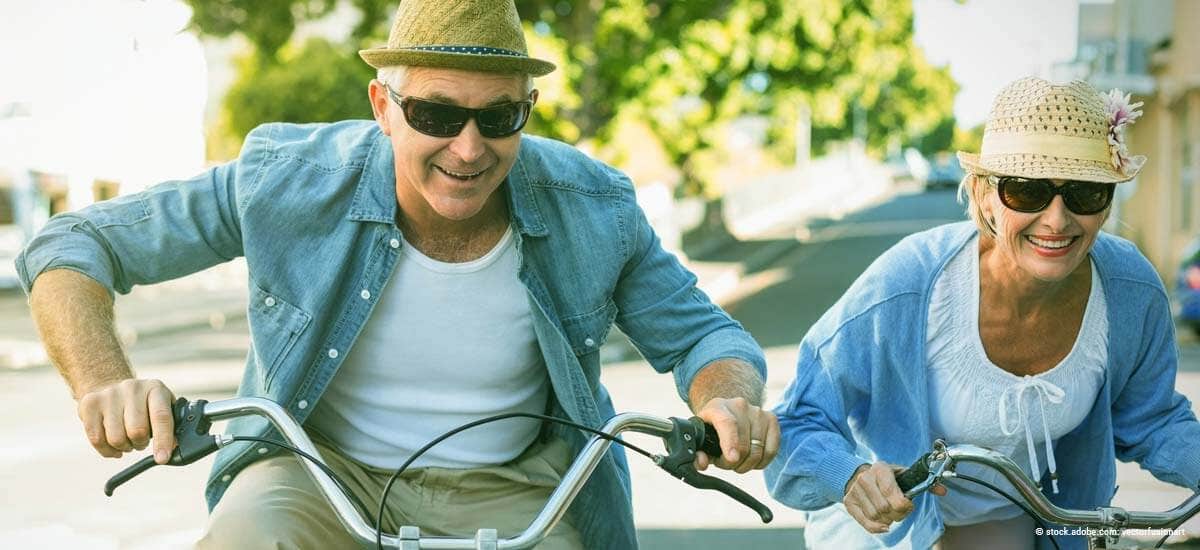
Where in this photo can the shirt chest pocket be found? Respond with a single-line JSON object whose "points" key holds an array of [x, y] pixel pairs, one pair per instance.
{"points": [[587, 332], [275, 326]]}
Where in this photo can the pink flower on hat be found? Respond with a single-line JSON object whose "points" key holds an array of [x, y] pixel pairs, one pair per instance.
{"points": [[1120, 113]]}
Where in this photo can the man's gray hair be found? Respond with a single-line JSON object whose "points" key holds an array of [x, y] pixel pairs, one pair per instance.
{"points": [[395, 76]]}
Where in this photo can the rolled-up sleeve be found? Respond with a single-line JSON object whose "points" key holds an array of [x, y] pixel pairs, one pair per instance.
{"points": [[170, 230], [167, 231], [675, 325]]}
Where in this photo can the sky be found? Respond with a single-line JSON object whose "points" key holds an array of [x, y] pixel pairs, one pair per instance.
{"points": [[114, 90], [989, 43], [117, 92]]}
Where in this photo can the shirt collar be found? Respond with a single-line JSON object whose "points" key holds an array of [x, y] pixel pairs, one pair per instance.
{"points": [[375, 198]]}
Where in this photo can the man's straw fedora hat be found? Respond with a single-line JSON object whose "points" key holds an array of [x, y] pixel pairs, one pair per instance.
{"points": [[1057, 131], [473, 35]]}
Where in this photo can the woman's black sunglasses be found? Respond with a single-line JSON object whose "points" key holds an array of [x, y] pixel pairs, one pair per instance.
{"points": [[442, 120], [1034, 195]]}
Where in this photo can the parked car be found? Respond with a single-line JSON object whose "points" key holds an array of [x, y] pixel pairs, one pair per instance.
{"points": [[1187, 287], [944, 171]]}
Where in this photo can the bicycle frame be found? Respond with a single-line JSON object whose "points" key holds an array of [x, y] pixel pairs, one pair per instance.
{"points": [[940, 464]]}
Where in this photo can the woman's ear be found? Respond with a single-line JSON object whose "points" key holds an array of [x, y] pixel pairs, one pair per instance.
{"points": [[987, 206]]}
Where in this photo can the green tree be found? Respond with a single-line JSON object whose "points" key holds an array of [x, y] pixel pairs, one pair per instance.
{"points": [[312, 82], [686, 69], [968, 139], [689, 68], [941, 138], [269, 24]]}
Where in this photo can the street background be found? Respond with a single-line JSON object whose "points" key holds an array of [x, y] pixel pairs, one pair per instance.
{"points": [[194, 338], [778, 147]]}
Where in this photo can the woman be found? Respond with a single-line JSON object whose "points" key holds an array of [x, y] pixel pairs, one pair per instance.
{"points": [[1029, 332]]}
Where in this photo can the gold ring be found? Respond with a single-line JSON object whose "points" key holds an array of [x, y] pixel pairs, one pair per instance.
{"points": [[754, 442]]}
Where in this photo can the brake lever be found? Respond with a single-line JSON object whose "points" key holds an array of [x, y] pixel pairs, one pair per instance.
{"points": [[689, 436], [925, 472], [192, 442]]}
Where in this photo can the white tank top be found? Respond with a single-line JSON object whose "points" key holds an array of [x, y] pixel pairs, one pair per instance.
{"points": [[974, 401], [448, 343]]}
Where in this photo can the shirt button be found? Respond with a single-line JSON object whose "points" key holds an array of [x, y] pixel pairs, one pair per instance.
{"points": [[303, 404], [225, 478], [262, 450], [333, 353], [270, 301], [589, 342], [366, 294], [394, 243]]}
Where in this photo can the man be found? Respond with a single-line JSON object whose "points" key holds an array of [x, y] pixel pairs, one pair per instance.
{"points": [[407, 275]]}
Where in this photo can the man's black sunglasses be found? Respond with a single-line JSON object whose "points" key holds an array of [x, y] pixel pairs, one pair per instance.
{"points": [[441, 120], [1034, 195]]}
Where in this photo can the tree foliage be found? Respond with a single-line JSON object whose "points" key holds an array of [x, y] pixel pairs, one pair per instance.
{"points": [[269, 24], [312, 82], [685, 69]]}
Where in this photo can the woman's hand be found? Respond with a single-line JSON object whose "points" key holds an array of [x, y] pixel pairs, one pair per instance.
{"points": [[874, 499]]}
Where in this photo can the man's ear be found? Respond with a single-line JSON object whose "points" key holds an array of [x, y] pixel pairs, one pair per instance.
{"points": [[380, 103], [533, 96]]}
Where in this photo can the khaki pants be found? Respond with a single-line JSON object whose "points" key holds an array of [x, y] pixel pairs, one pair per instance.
{"points": [[274, 503], [1014, 533]]}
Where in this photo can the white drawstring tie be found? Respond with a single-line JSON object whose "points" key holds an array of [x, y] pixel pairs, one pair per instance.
{"points": [[1045, 391]]}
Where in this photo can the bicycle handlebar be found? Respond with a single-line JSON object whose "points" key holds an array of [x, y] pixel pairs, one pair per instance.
{"points": [[941, 462], [683, 437]]}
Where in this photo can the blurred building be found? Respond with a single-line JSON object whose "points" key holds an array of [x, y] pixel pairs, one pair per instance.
{"points": [[125, 114], [1151, 48]]}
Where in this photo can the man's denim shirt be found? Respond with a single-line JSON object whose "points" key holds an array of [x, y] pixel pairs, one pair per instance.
{"points": [[313, 208]]}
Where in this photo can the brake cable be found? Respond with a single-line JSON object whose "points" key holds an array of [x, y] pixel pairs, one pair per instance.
{"points": [[392, 480]]}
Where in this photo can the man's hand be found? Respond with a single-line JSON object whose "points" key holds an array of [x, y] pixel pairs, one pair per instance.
{"points": [[122, 416], [874, 499], [749, 435]]}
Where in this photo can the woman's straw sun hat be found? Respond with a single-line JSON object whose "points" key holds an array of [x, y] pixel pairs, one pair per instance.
{"points": [[473, 35], [1057, 131]]}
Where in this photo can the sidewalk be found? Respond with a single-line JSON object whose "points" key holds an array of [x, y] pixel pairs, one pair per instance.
{"points": [[209, 298]]}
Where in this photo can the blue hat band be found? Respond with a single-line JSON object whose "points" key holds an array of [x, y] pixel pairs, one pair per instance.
{"points": [[474, 50]]}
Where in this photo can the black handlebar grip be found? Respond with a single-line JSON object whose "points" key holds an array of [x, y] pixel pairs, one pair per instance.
{"points": [[128, 474], [711, 444], [914, 475]]}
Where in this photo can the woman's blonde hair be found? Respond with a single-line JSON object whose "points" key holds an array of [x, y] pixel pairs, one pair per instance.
{"points": [[971, 191]]}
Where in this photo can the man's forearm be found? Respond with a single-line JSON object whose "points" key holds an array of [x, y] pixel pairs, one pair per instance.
{"points": [[726, 378], [74, 315]]}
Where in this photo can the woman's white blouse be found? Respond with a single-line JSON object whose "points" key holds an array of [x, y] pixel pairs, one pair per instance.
{"points": [[974, 401]]}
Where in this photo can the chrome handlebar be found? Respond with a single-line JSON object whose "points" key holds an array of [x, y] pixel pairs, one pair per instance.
{"points": [[941, 462], [682, 437]]}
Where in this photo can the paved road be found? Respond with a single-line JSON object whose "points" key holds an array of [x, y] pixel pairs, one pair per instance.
{"points": [[52, 480]]}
